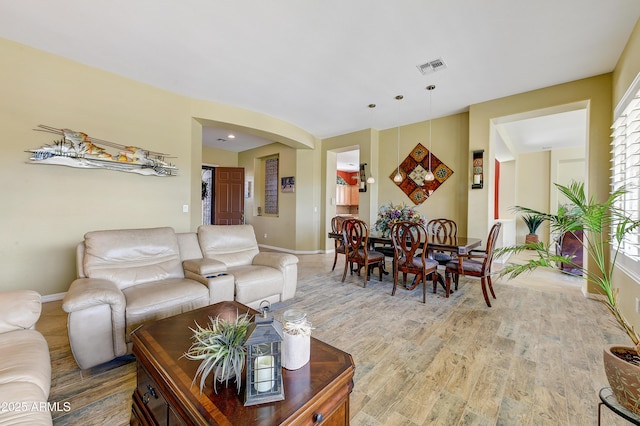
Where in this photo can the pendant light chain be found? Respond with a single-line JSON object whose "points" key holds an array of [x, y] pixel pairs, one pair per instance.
{"points": [[429, 175], [398, 177], [398, 151]]}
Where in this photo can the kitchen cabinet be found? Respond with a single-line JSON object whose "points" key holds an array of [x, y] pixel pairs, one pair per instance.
{"points": [[347, 195]]}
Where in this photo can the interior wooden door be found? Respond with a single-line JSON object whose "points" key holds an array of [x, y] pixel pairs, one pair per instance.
{"points": [[228, 196]]}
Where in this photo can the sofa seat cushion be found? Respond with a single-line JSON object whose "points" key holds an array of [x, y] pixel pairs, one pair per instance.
{"points": [[255, 282], [32, 403], [24, 357], [162, 299]]}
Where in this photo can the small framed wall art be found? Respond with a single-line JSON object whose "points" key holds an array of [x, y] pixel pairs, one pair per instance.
{"points": [[287, 184]]}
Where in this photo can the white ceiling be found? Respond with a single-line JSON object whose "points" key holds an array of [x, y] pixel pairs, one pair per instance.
{"points": [[349, 161], [541, 133], [319, 64]]}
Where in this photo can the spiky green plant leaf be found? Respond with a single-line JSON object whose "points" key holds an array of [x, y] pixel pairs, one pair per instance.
{"points": [[219, 346]]}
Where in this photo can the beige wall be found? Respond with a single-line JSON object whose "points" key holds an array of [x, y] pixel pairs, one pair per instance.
{"points": [[532, 190], [308, 206], [219, 157], [507, 190]]}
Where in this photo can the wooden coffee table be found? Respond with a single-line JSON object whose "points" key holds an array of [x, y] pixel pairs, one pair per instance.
{"points": [[317, 392]]}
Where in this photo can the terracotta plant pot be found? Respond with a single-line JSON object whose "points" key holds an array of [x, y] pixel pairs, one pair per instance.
{"points": [[623, 376], [531, 239]]}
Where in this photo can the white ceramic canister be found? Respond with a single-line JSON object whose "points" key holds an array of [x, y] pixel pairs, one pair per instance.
{"points": [[296, 347]]}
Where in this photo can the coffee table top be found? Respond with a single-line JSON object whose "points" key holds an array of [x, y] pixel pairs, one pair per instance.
{"points": [[160, 346]]}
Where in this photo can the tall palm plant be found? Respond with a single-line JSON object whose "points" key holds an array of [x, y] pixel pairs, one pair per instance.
{"points": [[605, 227]]}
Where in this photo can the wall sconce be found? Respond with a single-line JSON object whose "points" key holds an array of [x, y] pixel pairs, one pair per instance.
{"points": [[363, 178], [477, 169]]}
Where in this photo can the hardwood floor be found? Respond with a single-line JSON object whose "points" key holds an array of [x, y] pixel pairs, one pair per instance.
{"points": [[534, 358]]}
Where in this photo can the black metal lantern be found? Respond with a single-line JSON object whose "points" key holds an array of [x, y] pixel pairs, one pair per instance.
{"points": [[264, 359]]}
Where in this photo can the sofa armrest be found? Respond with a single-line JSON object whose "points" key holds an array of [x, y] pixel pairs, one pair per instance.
{"points": [[19, 309], [205, 267], [275, 260], [96, 322], [88, 292]]}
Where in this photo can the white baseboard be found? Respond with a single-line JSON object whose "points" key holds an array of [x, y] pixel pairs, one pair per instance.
{"points": [[291, 251], [53, 297]]}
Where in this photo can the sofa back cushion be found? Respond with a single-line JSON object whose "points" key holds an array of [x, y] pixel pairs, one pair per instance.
{"points": [[132, 256], [189, 246], [233, 245]]}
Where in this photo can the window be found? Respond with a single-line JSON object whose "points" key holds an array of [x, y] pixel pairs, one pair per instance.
{"points": [[626, 169], [271, 186]]}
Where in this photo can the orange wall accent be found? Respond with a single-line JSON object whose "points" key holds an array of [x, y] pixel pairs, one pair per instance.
{"points": [[349, 177]]}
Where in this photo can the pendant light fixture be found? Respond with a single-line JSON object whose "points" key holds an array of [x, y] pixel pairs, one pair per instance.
{"points": [[398, 177], [371, 179], [428, 177]]}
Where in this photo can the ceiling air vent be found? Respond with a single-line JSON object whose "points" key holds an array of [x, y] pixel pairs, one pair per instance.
{"points": [[431, 66]]}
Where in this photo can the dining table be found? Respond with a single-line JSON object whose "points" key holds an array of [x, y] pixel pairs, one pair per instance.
{"points": [[457, 245], [460, 245]]}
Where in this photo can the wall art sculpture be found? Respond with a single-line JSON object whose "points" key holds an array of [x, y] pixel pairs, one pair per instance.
{"points": [[77, 149], [413, 169]]}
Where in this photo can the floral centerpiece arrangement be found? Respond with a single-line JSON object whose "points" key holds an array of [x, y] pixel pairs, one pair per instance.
{"points": [[390, 214]]}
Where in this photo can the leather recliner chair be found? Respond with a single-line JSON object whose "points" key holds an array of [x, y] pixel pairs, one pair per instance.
{"points": [[257, 275]]}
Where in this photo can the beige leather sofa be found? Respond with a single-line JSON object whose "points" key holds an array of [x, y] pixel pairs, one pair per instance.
{"points": [[128, 277], [25, 364]]}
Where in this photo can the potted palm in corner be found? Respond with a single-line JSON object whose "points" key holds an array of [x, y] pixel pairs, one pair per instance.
{"points": [[604, 228]]}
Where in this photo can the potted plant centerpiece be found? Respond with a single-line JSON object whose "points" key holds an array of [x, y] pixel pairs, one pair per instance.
{"points": [[220, 348], [604, 227], [533, 222]]}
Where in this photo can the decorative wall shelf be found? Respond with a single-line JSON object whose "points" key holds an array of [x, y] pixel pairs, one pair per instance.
{"points": [[477, 169]]}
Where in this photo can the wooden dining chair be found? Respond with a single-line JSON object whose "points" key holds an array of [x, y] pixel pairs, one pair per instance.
{"points": [[476, 264], [336, 227], [355, 234], [410, 244], [439, 230]]}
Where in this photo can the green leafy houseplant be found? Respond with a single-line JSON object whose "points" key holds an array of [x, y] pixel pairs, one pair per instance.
{"points": [[595, 219], [533, 222], [220, 348]]}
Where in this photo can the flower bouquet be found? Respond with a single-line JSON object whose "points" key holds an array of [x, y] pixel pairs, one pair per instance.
{"points": [[390, 214]]}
